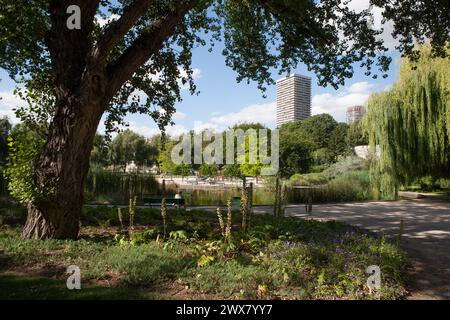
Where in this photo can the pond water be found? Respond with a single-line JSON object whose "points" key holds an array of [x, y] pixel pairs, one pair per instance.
{"points": [[213, 196]]}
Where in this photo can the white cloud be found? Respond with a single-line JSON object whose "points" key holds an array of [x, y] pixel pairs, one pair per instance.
{"points": [[8, 101], [337, 104], [360, 87], [262, 113], [200, 126], [149, 130], [388, 27], [179, 116]]}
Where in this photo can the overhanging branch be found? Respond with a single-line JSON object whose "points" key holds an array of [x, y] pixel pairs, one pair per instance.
{"points": [[141, 50], [117, 29]]}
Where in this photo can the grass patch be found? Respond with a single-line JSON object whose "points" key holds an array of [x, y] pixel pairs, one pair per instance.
{"points": [[284, 258]]}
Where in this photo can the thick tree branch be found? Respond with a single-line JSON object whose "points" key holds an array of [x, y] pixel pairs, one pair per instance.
{"points": [[69, 48], [145, 45], [117, 30], [308, 27]]}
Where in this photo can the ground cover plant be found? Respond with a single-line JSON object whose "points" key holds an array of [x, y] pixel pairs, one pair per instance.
{"points": [[277, 258]]}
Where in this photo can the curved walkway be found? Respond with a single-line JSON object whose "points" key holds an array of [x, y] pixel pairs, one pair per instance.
{"points": [[426, 236]]}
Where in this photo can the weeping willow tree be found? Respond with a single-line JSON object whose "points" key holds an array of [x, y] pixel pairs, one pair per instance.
{"points": [[409, 126]]}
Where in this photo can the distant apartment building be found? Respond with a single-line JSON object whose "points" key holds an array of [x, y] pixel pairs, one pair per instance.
{"points": [[355, 113], [293, 99]]}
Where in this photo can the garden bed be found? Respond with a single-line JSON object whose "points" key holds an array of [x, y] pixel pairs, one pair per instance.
{"points": [[277, 258]]}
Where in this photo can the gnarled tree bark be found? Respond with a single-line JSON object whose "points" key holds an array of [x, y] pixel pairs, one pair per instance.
{"points": [[61, 171], [84, 85]]}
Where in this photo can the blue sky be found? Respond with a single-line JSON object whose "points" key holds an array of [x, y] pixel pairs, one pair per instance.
{"points": [[223, 102]]}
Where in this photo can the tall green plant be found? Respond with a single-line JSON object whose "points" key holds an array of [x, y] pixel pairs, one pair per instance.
{"points": [[244, 208], [24, 147], [131, 214], [221, 222], [229, 220], [225, 226], [410, 125], [164, 215]]}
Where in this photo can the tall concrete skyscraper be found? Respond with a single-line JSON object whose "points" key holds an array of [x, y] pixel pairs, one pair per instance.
{"points": [[293, 99]]}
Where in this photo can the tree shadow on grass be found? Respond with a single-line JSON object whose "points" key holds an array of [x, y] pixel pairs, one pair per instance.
{"points": [[153, 270], [5, 261], [14, 287]]}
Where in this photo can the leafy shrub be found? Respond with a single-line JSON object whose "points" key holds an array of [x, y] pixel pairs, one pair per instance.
{"points": [[312, 179], [319, 168], [346, 165], [349, 186], [208, 170], [146, 236], [24, 147]]}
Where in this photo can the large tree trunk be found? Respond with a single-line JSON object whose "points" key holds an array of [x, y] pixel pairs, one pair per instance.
{"points": [[84, 83], [61, 171]]}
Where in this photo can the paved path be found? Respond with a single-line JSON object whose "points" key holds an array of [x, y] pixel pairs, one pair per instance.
{"points": [[426, 236]]}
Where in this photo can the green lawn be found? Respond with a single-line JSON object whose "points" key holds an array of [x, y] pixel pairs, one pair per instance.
{"points": [[284, 258]]}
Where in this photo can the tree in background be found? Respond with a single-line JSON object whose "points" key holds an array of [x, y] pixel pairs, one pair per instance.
{"points": [[319, 128], [325, 141], [356, 135], [209, 170], [129, 146], [322, 157], [164, 159], [79, 75], [232, 171], [24, 145], [410, 124], [99, 153], [182, 170], [5, 128], [295, 153], [338, 142], [246, 168]]}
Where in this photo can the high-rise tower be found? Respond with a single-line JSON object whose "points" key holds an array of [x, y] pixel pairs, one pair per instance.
{"points": [[293, 99], [355, 114]]}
